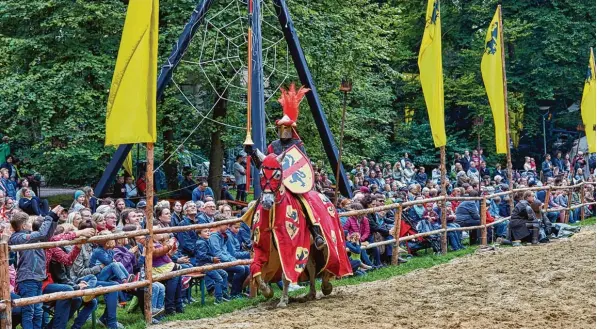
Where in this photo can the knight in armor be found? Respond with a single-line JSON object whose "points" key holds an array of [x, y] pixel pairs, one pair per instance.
{"points": [[287, 137], [523, 223]]}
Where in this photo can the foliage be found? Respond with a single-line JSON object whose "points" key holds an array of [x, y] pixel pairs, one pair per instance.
{"points": [[57, 58]]}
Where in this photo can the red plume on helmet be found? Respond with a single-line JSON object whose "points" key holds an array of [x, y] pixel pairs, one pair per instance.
{"points": [[290, 100]]}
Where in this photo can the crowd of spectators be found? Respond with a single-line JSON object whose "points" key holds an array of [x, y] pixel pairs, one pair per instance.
{"points": [[25, 219]]}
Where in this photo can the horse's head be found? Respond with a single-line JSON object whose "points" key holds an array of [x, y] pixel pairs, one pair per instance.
{"points": [[270, 176]]}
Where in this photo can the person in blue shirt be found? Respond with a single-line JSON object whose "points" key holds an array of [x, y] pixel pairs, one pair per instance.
{"points": [[208, 212], [218, 246], [234, 246], [218, 279], [547, 167], [188, 239], [202, 191], [103, 255]]}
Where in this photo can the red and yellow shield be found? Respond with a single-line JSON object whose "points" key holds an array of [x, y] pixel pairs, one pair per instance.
{"points": [[297, 171]]}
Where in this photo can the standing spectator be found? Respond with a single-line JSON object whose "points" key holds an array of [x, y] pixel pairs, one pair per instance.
{"points": [[91, 201], [202, 191], [421, 176], [483, 170], [466, 161], [240, 176], [405, 159], [131, 192], [187, 186], [579, 161], [31, 269], [547, 167], [436, 174], [10, 165], [558, 162], [119, 191]]}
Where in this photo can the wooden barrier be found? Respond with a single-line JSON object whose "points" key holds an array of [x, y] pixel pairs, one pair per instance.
{"points": [[6, 304]]}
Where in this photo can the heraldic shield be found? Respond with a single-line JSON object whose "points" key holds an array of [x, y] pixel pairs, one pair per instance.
{"points": [[298, 176]]}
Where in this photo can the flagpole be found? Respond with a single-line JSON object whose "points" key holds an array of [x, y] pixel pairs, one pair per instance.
{"points": [[508, 155], [149, 227], [444, 193]]}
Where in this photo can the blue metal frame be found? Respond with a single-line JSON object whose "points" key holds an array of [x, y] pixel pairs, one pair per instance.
{"points": [[163, 80], [257, 95], [300, 63]]}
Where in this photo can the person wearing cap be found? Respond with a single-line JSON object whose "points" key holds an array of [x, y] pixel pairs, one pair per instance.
{"points": [[78, 201]]}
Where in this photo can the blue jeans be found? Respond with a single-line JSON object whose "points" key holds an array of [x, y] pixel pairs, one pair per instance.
{"points": [[365, 258], [375, 251], [454, 238], [84, 312], [113, 272], [219, 280], [62, 309], [237, 275], [31, 314], [553, 216], [501, 229], [111, 300], [173, 298], [158, 292], [16, 311]]}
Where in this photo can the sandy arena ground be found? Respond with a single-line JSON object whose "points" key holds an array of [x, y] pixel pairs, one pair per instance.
{"points": [[548, 286]]}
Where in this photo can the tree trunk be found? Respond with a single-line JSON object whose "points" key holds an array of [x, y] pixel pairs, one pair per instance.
{"points": [[216, 152], [170, 167]]}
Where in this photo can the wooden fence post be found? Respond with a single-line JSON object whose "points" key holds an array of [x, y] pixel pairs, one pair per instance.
{"points": [[397, 226], [484, 221], [567, 214], [6, 316], [444, 227], [149, 239], [582, 201]]}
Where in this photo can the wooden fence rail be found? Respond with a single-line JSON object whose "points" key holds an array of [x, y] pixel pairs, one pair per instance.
{"points": [[6, 303]]}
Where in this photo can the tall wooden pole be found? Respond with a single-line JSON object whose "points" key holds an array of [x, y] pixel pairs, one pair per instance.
{"points": [[484, 221], [149, 227], [6, 317], [444, 192], [506, 116]]}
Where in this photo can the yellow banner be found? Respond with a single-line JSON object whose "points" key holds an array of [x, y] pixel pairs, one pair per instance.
{"points": [[128, 164], [587, 106], [431, 74], [493, 78], [131, 111]]}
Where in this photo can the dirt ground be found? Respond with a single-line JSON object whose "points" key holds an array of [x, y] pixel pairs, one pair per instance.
{"points": [[548, 286]]}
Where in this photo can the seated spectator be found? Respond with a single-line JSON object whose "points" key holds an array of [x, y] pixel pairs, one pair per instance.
{"points": [[208, 212], [7, 185], [360, 225], [353, 245], [103, 254], [188, 239], [215, 279], [33, 205], [202, 191], [547, 167], [119, 190], [218, 247], [132, 193], [421, 176], [234, 242], [30, 274], [467, 214]]}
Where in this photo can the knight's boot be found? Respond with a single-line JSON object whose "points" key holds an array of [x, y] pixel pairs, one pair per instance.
{"points": [[317, 237]]}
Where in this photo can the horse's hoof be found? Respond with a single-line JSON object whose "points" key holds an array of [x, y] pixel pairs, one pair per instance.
{"points": [[282, 304], [326, 288], [267, 292]]}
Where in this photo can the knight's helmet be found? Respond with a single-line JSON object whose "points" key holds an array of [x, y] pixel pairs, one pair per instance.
{"points": [[290, 100]]}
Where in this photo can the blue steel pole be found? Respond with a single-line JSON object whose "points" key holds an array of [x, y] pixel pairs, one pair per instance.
{"points": [[257, 94], [163, 80], [300, 63]]}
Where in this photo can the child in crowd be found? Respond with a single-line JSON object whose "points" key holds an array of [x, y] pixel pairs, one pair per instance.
{"points": [[218, 246], [31, 269], [218, 279], [78, 202], [353, 245], [234, 243], [103, 254]]}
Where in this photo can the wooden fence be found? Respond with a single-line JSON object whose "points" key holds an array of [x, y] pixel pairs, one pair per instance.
{"points": [[6, 303]]}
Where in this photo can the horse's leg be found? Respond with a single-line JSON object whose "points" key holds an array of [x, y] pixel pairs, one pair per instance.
{"points": [[284, 298], [311, 272], [326, 285], [265, 289]]}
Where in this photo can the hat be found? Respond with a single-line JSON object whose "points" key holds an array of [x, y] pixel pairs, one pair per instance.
{"points": [[78, 193], [142, 204], [364, 189]]}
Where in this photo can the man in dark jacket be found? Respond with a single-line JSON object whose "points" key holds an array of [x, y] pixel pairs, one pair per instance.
{"points": [[467, 214], [523, 224]]}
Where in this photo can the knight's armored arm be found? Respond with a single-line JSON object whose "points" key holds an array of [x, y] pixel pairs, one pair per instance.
{"points": [[256, 155]]}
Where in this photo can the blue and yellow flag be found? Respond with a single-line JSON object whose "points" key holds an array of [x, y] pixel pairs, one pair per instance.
{"points": [[587, 106], [431, 73], [492, 68], [131, 112]]}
